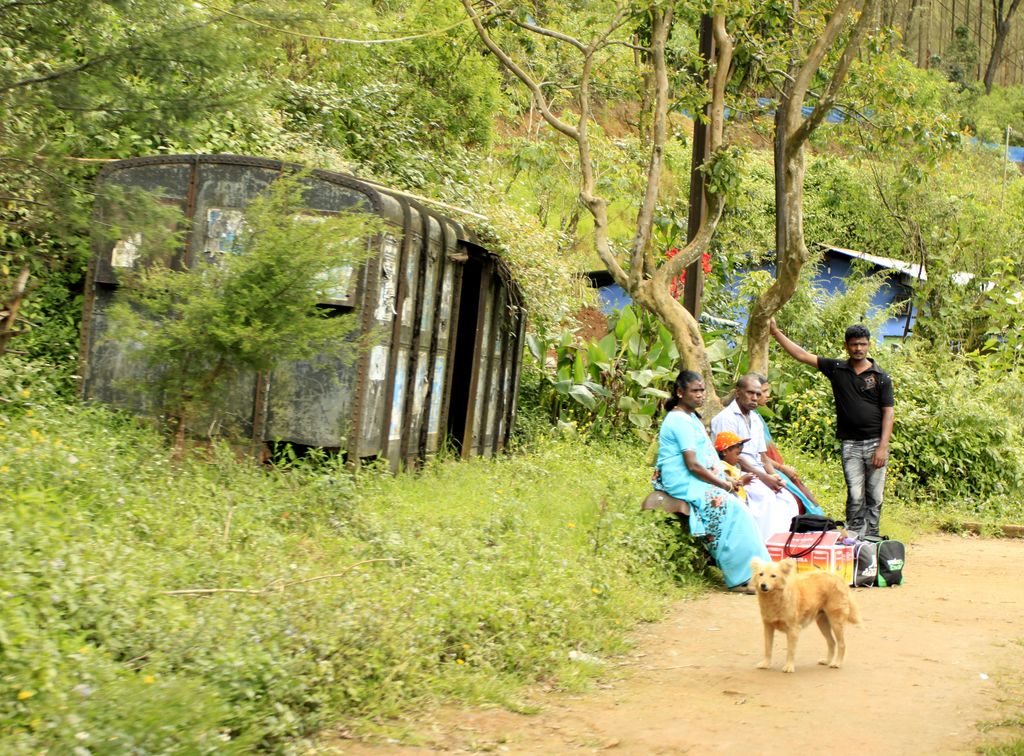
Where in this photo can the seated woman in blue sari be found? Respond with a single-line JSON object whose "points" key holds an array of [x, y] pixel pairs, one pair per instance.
{"points": [[689, 469]]}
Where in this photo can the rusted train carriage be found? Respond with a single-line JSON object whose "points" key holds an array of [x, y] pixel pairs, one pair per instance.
{"points": [[445, 315]]}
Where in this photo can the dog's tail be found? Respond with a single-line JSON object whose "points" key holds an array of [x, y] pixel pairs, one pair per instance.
{"points": [[855, 617]]}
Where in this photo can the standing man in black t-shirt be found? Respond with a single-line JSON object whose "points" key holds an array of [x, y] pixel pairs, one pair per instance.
{"points": [[864, 417]]}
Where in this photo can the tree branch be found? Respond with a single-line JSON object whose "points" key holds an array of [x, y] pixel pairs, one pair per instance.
{"points": [[24, 4], [85, 65], [811, 64], [660, 25], [9, 313], [598, 206], [511, 65], [553, 34], [828, 97], [630, 45], [723, 52]]}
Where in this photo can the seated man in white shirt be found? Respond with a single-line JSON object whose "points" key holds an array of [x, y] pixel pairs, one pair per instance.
{"points": [[772, 506]]}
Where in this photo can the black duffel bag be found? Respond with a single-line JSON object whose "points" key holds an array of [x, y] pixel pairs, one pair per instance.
{"points": [[812, 523]]}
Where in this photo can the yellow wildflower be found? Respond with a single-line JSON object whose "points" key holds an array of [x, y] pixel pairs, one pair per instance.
{"points": [[25, 393], [570, 524], [149, 679], [25, 694], [460, 661]]}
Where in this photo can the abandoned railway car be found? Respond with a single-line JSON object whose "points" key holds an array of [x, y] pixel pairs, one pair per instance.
{"points": [[441, 321]]}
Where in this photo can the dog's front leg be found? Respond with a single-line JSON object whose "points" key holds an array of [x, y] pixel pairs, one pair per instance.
{"points": [[791, 638], [769, 638]]}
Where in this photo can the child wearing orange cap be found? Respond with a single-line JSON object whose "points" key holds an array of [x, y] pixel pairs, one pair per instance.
{"points": [[729, 445]]}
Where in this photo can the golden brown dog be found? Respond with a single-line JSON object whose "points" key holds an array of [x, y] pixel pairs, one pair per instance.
{"points": [[789, 601]]}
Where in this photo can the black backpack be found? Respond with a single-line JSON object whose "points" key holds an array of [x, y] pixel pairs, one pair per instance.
{"points": [[878, 560], [865, 564]]}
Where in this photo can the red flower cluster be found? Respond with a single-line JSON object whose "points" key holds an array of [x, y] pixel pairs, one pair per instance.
{"points": [[677, 285]]}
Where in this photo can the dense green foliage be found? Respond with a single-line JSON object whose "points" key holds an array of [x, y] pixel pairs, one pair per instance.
{"points": [[615, 385], [608, 386], [85, 82], [369, 595], [381, 593], [955, 448]]}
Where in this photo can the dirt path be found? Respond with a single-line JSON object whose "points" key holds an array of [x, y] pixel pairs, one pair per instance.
{"points": [[935, 657]]}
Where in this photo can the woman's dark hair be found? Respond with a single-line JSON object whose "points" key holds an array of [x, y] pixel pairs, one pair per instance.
{"points": [[857, 331], [684, 379]]}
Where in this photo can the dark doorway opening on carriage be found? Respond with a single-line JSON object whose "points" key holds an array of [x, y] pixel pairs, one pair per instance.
{"points": [[461, 403]]}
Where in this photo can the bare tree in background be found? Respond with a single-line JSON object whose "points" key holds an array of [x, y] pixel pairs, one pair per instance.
{"points": [[1002, 15], [639, 274]]}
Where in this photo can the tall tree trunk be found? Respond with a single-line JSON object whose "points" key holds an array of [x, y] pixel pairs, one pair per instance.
{"points": [[792, 130], [998, 40], [9, 309], [1001, 30], [790, 257], [643, 278]]}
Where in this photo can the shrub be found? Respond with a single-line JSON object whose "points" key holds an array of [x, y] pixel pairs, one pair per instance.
{"points": [[956, 441], [613, 386], [489, 573]]}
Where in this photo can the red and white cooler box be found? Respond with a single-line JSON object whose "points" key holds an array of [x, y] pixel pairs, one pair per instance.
{"points": [[829, 555]]}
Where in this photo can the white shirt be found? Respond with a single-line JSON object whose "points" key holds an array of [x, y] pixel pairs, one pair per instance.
{"points": [[745, 425]]}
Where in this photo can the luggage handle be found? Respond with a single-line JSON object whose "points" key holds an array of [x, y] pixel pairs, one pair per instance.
{"points": [[787, 549]]}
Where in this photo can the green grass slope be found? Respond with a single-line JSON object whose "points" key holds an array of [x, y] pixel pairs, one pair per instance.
{"points": [[320, 598]]}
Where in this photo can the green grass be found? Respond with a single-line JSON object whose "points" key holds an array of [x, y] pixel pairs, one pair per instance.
{"points": [[325, 599], [463, 582]]}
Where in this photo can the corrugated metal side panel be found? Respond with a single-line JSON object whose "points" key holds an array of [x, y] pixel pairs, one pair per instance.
{"points": [[457, 270], [378, 313], [422, 337], [497, 357], [222, 192], [439, 353], [169, 183], [311, 401], [502, 377], [481, 370], [110, 372], [513, 364], [403, 329]]}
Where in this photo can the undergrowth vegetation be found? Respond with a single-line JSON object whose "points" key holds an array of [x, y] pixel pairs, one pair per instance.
{"points": [[310, 594], [956, 440]]}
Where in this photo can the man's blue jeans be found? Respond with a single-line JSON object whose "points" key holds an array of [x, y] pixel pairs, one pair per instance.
{"points": [[864, 486]]}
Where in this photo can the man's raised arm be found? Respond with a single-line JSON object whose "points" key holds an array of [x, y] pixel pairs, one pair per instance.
{"points": [[795, 351]]}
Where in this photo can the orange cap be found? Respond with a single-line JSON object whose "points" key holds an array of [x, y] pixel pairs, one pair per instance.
{"points": [[725, 439]]}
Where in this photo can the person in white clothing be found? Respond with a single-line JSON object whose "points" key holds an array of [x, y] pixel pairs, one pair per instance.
{"points": [[772, 506]]}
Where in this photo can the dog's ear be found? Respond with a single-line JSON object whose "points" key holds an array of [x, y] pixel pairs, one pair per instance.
{"points": [[756, 564], [787, 566]]}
